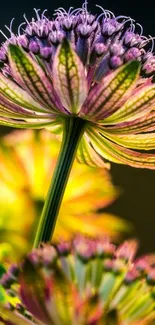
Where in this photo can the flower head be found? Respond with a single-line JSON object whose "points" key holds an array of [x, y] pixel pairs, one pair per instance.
{"points": [[24, 189], [94, 67], [85, 281]]}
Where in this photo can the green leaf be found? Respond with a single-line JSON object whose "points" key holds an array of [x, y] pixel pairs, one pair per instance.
{"points": [[107, 96], [69, 78]]}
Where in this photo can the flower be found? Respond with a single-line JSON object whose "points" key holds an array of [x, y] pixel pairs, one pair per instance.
{"points": [[26, 160], [86, 281], [96, 68]]}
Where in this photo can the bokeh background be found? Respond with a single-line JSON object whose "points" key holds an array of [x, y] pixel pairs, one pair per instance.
{"points": [[137, 201]]}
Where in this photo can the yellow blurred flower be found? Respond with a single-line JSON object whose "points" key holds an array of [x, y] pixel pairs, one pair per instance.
{"points": [[27, 159]]}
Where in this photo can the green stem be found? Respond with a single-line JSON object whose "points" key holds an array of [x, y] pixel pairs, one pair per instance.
{"points": [[73, 131]]}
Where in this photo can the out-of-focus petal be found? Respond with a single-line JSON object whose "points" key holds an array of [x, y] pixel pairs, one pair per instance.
{"points": [[7, 317], [34, 292], [69, 78]]}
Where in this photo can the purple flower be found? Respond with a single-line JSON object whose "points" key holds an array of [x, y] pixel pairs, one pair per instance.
{"points": [[85, 281], [96, 68]]}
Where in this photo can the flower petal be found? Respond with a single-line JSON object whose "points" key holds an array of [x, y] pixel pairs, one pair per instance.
{"points": [[136, 106], [31, 76], [69, 78], [13, 318], [145, 123], [13, 92], [105, 98], [118, 154], [28, 124], [34, 292], [144, 141], [87, 155]]}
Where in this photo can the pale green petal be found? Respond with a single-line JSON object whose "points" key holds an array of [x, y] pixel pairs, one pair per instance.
{"points": [[69, 78], [119, 154], [144, 141], [31, 76], [87, 155], [105, 98], [138, 105]]}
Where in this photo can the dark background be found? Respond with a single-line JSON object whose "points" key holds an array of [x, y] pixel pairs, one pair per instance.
{"points": [[137, 202]]}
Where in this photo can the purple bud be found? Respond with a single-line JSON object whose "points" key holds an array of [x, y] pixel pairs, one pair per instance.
{"points": [[3, 56], [131, 276], [132, 54], [116, 49], [45, 52], [100, 49], [115, 62], [84, 30], [64, 248], [23, 41], [34, 47]]}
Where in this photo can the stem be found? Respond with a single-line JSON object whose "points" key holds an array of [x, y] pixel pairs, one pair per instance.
{"points": [[73, 131]]}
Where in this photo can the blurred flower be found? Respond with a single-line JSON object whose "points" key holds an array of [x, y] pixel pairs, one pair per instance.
{"points": [[84, 282], [27, 158], [102, 74]]}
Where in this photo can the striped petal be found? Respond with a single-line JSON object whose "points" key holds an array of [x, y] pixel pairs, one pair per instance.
{"points": [[144, 141], [105, 98], [17, 95], [145, 123], [138, 105], [119, 154], [33, 124], [87, 155], [69, 78], [31, 76]]}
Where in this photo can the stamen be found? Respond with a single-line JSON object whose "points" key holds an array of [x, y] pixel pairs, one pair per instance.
{"points": [[144, 43], [111, 13], [122, 17], [26, 20], [19, 28], [43, 14], [141, 29], [37, 13], [103, 13], [69, 11], [152, 39], [10, 27], [60, 11], [4, 34]]}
